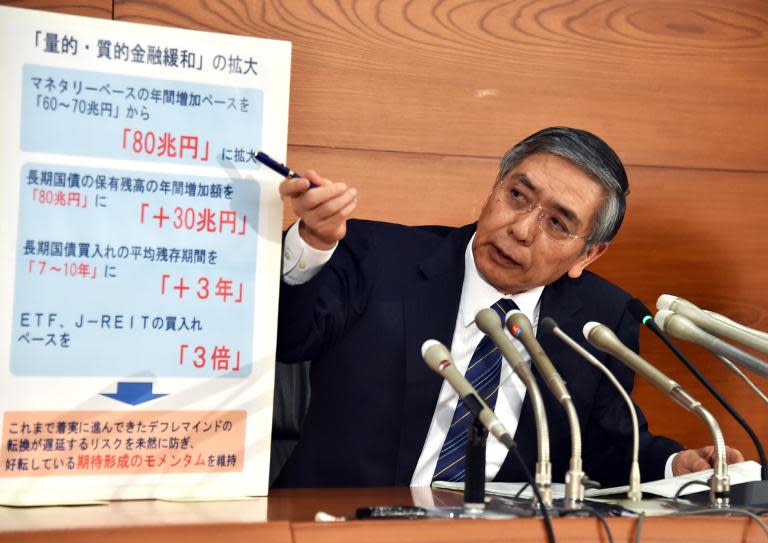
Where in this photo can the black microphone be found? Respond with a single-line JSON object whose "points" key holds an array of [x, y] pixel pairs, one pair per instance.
{"points": [[643, 315]]}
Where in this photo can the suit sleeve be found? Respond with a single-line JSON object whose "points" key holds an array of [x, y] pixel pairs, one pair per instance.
{"points": [[313, 315], [609, 434]]}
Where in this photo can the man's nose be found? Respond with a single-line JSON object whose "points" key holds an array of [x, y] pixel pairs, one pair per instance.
{"points": [[525, 226]]}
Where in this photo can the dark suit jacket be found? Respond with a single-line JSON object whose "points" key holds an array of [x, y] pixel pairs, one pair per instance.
{"points": [[362, 321]]}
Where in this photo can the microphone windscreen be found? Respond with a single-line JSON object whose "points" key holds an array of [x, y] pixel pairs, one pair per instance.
{"points": [[488, 321], [547, 324], [665, 301], [426, 346], [661, 318], [588, 327], [638, 310]]}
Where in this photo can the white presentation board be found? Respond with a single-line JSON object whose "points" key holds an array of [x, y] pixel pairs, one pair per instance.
{"points": [[140, 255]]}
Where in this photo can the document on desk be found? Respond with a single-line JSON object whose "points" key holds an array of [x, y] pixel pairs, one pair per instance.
{"points": [[140, 251], [741, 472]]}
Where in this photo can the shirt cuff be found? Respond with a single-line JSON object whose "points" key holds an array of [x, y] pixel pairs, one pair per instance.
{"points": [[668, 468], [301, 261]]}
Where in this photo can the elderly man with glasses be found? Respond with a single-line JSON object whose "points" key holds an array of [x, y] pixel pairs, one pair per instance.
{"points": [[358, 298]]}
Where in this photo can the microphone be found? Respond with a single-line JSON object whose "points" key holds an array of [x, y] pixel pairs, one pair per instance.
{"points": [[643, 315], [730, 322], [489, 323], [711, 323], [550, 326], [438, 358], [520, 327], [682, 328], [604, 339]]}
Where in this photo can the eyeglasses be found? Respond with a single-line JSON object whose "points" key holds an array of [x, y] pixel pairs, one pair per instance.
{"points": [[554, 225]]}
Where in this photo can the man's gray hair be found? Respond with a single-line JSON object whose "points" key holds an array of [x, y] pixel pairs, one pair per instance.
{"points": [[595, 158]]}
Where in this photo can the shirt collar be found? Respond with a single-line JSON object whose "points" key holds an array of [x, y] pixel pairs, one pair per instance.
{"points": [[477, 293]]}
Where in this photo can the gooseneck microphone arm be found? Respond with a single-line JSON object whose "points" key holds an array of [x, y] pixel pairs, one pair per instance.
{"points": [[637, 309], [521, 328], [489, 323], [549, 325], [604, 339], [759, 334], [747, 381]]}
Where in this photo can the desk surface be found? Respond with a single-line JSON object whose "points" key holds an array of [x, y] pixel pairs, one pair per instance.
{"points": [[287, 515]]}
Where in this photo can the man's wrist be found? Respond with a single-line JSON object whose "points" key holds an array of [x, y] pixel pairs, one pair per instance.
{"points": [[314, 241], [301, 261], [668, 473]]}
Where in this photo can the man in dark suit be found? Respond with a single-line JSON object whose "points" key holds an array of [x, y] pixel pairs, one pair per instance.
{"points": [[359, 298]]}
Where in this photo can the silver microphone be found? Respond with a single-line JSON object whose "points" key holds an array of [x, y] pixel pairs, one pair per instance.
{"points": [[438, 358], [521, 328], [680, 327], [634, 494], [489, 323], [714, 323], [604, 339]]}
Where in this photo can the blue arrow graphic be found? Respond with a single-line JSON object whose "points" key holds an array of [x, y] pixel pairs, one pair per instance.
{"points": [[134, 393]]}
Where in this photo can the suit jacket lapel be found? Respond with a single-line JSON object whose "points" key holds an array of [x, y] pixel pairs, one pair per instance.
{"points": [[430, 308]]}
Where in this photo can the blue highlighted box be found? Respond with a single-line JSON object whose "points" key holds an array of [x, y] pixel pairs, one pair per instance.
{"points": [[77, 112], [133, 274]]}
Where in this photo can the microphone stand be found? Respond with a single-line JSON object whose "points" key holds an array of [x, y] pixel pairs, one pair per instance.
{"points": [[520, 328], [604, 339], [634, 494], [720, 483], [490, 324], [474, 472]]}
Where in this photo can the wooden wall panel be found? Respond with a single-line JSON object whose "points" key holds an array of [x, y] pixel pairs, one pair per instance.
{"points": [[88, 8], [408, 188], [681, 83]]}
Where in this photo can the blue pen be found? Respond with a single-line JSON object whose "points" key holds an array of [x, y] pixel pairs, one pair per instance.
{"points": [[274, 165]]}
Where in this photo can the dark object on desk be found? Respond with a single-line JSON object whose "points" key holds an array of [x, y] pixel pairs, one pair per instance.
{"points": [[749, 494], [390, 511]]}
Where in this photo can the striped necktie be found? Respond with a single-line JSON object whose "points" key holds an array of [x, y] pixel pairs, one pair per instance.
{"points": [[483, 373]]}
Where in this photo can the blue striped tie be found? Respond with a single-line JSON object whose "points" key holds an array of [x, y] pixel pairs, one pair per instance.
{"points": [[483, 373]]}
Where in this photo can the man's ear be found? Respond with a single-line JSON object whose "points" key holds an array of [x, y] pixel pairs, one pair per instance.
{"points": [[592, 254]]}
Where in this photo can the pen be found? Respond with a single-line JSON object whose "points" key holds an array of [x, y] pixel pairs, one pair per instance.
{"points": [[274, 165]]}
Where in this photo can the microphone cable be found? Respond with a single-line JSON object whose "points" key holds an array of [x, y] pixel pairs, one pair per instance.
{"points": [[591, 512], [532, 484], [640, 312]]}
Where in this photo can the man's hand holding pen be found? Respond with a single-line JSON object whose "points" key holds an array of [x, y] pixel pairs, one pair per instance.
{"points": [[323, 211]]}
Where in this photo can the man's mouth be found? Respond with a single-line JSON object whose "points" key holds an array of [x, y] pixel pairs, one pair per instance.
{"points": [[501, 257]]}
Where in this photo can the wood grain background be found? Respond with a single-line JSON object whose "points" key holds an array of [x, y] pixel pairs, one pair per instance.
{"points": [[414, 101]]}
